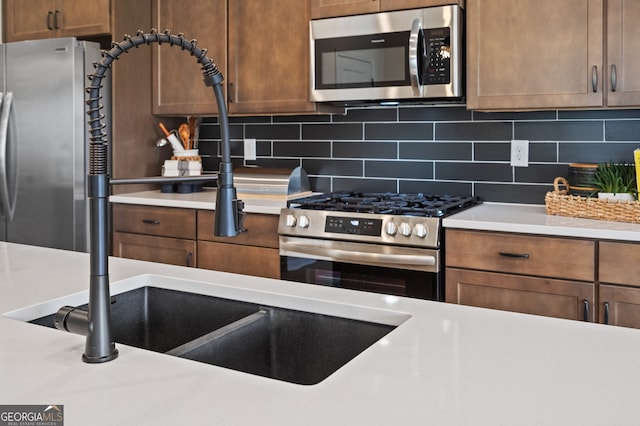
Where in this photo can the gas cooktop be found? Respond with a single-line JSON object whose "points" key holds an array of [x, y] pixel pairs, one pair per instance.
{"points": [[417, 204]]}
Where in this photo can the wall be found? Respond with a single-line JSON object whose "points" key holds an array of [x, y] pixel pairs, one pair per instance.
{"points": [[428, 149]]}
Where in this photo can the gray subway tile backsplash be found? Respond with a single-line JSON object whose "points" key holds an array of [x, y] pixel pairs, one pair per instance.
{"points": [[431, 149]]}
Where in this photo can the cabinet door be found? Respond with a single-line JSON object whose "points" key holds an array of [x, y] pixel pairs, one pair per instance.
{"points": [[178, 86], [619, 306], [269, 56], [530, 54], [173, 251], [330, 8], [239, 259], [28, 19], [623, 44], [81, 18], [539, 296]]}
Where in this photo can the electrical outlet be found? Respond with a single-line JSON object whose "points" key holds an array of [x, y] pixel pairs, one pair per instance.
{"points": [[520, 153], [250, 149]]}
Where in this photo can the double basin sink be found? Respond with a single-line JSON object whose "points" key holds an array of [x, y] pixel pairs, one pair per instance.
{"points": [[270, 341]]}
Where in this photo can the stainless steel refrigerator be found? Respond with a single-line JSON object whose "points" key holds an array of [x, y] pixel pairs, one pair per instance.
{"points": [[44, 141]]}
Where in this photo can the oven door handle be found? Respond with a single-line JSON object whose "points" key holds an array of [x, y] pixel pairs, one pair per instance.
{"points": [[353, 253], [388, 259]]}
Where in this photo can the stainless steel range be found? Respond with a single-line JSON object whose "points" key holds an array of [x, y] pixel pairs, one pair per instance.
{"points": [[380, 242]]}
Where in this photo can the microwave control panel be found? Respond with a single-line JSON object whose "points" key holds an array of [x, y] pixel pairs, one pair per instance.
{"points": [[438, 46]]}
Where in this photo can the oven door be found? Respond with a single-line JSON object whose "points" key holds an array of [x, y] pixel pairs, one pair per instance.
{"points": [[401, 271]]}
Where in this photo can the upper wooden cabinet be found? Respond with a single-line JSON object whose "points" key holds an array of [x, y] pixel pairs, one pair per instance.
{"points": [[332, 8], [263, 57], [537, 54], [623, 61], [178, 84], [37, 19]]}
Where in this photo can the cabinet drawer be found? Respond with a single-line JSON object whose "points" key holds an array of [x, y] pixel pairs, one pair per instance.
{"points": [[521, 254], [515, 293], [173, 251], [151, 220], [248, 260], [261, 230], [618, 263]]}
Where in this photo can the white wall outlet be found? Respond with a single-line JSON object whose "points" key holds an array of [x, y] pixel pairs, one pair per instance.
{"points": [[250, 149], [520, 153]]}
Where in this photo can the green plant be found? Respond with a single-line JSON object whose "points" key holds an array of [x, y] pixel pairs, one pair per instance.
{"points": [[616, 178]]}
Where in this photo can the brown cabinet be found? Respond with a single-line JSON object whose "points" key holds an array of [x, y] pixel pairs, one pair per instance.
{"points": [[521, 273], [253, 252], [537, 54], [156, 234], [332, 8], [263, 57], [185, 237], [37, 19], [524, 294], [619, 290]]}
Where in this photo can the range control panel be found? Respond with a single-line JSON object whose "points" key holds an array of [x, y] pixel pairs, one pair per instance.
{"points": [[353, 225]]}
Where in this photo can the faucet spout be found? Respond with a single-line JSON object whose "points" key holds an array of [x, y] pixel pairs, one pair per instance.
{"points": [[95, 323]]}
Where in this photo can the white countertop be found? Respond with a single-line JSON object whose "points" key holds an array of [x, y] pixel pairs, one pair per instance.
{"points": [[206, 200], [532, 219], [446, 365]]}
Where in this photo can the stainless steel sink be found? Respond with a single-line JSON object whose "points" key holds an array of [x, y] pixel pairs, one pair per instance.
{"points": [[275, 342]]}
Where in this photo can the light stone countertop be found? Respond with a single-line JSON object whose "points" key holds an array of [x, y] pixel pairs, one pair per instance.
{"points": [[444, 365], [533, 219], [205, 200]]}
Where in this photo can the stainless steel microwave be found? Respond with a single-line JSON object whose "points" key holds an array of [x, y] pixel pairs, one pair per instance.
{"points": [[412, 54]]}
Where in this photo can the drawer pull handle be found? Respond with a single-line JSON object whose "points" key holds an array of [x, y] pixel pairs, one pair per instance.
{"points": [[151, 221], [516, 255], [189, 257], [606, 312], [585, 310]]}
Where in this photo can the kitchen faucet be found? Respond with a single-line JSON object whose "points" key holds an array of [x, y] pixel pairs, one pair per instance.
{"points": [[95, 323]]}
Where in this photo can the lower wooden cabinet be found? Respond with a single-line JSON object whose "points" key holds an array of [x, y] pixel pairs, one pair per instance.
{"points": [[619, 305], [253, 252], [515, 293], [248, 260], [173, 251], [182, 236]]}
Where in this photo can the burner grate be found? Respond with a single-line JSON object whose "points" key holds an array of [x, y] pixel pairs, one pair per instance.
{"points": [[387, 203]]}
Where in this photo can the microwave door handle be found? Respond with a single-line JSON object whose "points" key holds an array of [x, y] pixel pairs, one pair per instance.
{"points": [[415, 56], [8, 182]]}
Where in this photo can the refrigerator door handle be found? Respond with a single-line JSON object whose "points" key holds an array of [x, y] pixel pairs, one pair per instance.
{"points": [[8, 160]]}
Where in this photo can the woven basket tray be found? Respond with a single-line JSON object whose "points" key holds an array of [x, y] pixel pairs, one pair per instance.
{"points": [[559, 203]]}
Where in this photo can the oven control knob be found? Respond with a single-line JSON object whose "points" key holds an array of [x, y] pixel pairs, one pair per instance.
{"points": [[405, 229], [391, 228], [420, 230], [290, 220], [303, 222]]}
